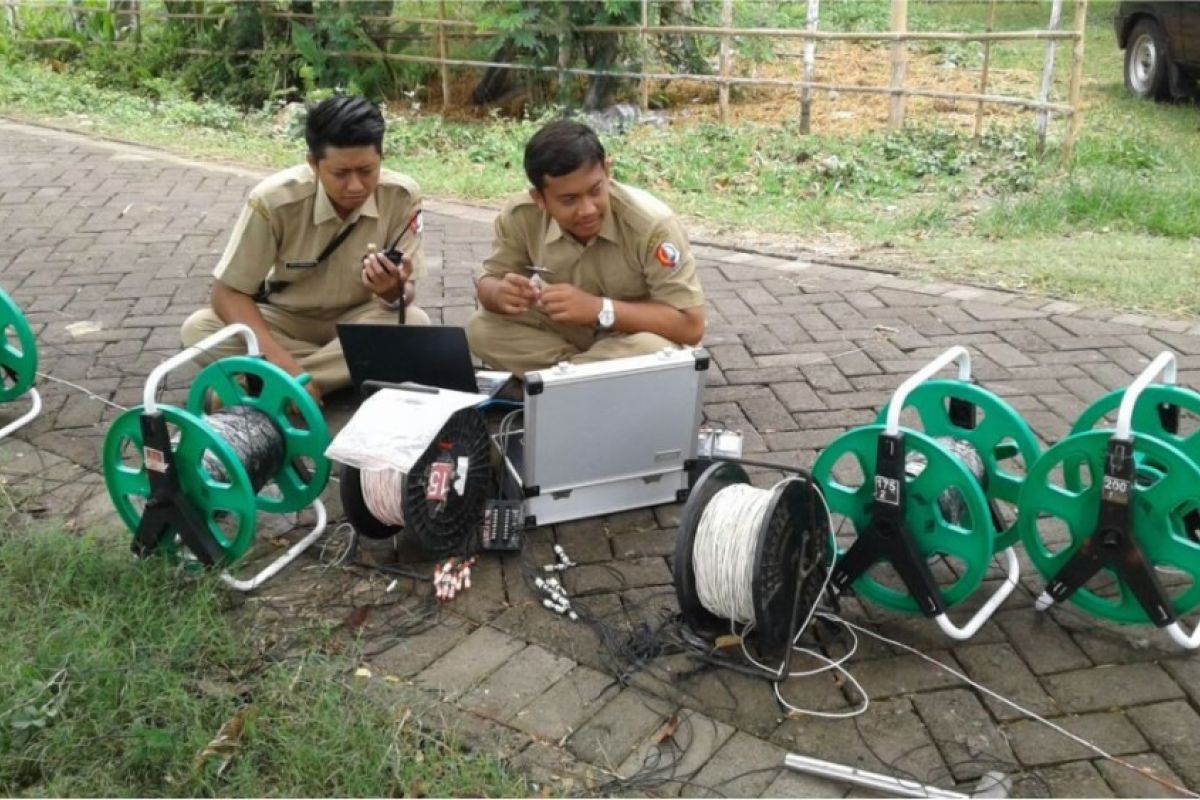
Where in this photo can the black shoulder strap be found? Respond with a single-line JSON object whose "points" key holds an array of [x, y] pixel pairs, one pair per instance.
{"points": [[337, 241], [274, 286]]}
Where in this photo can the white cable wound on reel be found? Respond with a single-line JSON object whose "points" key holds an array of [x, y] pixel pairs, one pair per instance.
{"points": [[383, 494], [383, 490], [723, 557]]}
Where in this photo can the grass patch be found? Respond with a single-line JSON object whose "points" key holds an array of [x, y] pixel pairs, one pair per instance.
{"points": [[116, 674]]}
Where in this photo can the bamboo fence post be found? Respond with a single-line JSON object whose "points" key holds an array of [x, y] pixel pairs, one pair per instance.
{"points": [[563, 61], [1076, 81], [723, 91], [811, 13], [1043, 117], [443, 53], [899, 62], [983, 75], [644, 102]]}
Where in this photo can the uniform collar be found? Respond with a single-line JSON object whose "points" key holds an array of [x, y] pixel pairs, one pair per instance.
{"points": [[323, 210]]}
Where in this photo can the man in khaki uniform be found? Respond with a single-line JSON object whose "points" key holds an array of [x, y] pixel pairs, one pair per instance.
{"points": [[298, 262], [582, 268]]}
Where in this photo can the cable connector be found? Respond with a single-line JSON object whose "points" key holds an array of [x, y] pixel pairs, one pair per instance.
{"points": [[562, 556], [451, 578]]}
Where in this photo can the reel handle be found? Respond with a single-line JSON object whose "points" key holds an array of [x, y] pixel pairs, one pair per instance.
{"points": [[1164, 363], [1181, 638], [985, 613], [189, 353], [957, 353]]}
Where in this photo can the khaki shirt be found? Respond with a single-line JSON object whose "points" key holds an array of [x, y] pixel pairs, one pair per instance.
{"points": [[641, 252], [288, 218]]}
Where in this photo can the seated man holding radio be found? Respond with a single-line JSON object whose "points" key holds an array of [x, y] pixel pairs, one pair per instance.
{"points": [[582, 268], [337, 239]]}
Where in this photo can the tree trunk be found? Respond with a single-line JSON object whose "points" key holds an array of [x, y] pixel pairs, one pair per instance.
{"points": [[602, 50]]}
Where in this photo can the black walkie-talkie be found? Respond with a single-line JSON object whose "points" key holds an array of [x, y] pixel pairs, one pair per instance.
{"points": [[397, 257]]}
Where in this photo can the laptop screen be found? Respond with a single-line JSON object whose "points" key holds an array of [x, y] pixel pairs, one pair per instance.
{"points": [[430, 355]]}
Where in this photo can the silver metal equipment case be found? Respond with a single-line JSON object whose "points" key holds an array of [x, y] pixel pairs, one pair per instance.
{"points": [[609, 436]]}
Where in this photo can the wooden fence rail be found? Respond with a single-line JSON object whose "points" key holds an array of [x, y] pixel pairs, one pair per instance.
{"points": [[898, 38]]}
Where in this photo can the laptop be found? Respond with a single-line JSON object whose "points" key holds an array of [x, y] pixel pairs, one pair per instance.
{"points": [[431, 355]]}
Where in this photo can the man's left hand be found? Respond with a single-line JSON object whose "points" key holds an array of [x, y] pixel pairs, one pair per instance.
{"points": [[385, 279], [570, 304]]}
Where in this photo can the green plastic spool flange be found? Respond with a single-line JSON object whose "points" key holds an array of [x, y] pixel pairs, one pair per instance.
{"points": [[989, 437], [280, 397], [1159, 504], [1145, 415], [19, 360], [234, 497], [933, 534]]}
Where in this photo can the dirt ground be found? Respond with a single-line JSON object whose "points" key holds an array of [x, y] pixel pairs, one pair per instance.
{"points": [[833, 112]]}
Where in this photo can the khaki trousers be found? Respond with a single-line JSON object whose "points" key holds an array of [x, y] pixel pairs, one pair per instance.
{"points": [[532, 341], [312, 341]]}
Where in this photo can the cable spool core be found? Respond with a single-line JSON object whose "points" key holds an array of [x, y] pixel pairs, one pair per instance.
{"points": [[951, 503], [256, 441], [785, 545]]}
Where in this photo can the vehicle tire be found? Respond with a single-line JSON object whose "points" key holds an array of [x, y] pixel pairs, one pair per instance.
{"points": [[1147, 62]]}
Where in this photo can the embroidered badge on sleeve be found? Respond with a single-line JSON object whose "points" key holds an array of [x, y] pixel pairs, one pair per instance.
{"points": [[417, 226], [667, 255]]}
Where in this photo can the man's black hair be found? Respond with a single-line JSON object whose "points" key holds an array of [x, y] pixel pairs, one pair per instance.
{"points": [[343, 122], [559, 149]]}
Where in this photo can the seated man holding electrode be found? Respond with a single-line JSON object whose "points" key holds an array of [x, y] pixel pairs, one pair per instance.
{"points": [[582, 268], [334, 240]]}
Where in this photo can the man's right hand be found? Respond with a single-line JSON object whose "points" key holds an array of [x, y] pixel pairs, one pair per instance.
{"points": [[514, 294], [283, 359], [234, 306]]}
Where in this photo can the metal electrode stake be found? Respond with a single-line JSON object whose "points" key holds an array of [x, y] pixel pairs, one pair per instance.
{"points": [[993, 784]]}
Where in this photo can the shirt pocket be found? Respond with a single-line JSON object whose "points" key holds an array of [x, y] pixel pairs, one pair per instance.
{"points": [[342, 284], [622, 277]]}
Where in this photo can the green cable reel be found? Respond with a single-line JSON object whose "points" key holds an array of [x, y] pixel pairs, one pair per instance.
{"points": [[997, 438], [224, 504], [19, 358], [259, 384], [973, 545], [1155, 414], [1163, 494], [221, 505]]}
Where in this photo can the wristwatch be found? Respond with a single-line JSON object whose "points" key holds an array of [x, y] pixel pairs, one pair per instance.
{"points": [[608, 315]]}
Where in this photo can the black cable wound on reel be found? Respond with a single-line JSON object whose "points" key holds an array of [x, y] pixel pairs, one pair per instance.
{"points": [[255, 438]]}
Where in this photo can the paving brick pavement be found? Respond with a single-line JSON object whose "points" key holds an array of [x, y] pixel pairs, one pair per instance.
{"points": [[123, 238]]}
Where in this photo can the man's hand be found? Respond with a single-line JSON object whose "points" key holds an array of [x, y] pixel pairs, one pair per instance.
{"points": [[514, 294], [570, 304], [284, 360], [385, 279]]}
